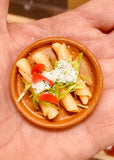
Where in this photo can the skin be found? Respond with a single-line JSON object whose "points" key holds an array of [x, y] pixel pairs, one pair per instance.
{"points": [[93, 25]]}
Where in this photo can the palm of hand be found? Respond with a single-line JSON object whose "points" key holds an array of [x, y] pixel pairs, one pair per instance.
{"points": [[22, 139]]}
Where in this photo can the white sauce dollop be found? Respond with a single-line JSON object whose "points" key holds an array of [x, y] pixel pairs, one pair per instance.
{"points": [[63, 73]]}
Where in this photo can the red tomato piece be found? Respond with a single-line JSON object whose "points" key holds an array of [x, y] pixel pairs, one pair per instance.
{"points": [[37, 68], [48, 98], [36, 77]]}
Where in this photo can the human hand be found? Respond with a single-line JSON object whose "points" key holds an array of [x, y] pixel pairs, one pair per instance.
{"points": [[91, 24]]}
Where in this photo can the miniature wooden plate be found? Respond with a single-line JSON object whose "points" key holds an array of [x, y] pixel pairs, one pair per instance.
{"points": [[89, 67]]}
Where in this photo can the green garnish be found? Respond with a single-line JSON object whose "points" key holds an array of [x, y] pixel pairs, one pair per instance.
{"points": [[65, 85], [76, 64], [47, 104], [79, 61], [27, 87], [32, 92], [34, 100], [56, 64], [56, 86], [51, 90], [83, 76], [82, 106], [54, 90], [72, 88], [44, 103], [24, 81], [56, 81], [65, 72], [69, 89], [81, 85], [52, 105], [31, 95], [52, 61]]}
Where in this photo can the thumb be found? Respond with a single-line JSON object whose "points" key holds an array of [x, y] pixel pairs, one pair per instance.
{"points": [[4, 4]]}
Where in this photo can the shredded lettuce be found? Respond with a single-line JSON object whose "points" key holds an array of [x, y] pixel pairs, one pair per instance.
{"points": [[79, 61], [56, 86], [51, 90], [81, 85], [69, 89], [65, 85], [76, 64], [54, 90], [34, 100], [51, 59], [82, 106], [65, 72], [52, 105], [32, 91], [31, 95], [85, 77], [45, 111], [24, 81], [72, 88], [43, 103], [47, 104], [27, 87], [56, 64]]}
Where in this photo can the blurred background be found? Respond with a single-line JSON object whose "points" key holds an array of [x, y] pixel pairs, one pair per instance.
{"points": [[36, 9], [23, 11]]}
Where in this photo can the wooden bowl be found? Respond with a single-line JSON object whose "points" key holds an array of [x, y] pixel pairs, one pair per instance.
{"points": [[89, 67]]}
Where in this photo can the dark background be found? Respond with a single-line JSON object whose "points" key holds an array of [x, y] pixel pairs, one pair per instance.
{"points": [[37, 8]]}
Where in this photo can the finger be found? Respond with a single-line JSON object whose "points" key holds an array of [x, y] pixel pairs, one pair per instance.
{"points": [[99, 13], [4, 4]]}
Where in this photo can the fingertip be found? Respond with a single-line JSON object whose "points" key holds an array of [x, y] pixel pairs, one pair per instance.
{"points": [[4, 5]]}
